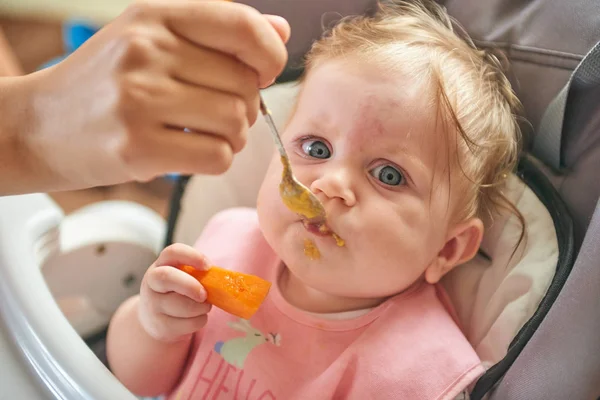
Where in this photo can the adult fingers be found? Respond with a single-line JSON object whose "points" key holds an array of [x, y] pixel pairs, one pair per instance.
{"points": [[231, 28], [206, 110], [212, 69], [171, 150], [281, 26]]}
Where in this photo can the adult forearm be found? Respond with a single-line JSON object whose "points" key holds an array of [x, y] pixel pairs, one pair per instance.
{"points": [[147, 367], [36, 150], [17, 172], [20, 172]]}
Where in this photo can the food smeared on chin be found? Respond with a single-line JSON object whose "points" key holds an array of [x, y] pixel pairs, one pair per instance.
{"points": [[234, 292], [310, 250], [338, 240]]}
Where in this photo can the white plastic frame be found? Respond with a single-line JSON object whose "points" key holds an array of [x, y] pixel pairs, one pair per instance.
{"points": [[41, 355]]}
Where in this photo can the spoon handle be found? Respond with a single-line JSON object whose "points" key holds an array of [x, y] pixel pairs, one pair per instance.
{"points": [[269, 120]]}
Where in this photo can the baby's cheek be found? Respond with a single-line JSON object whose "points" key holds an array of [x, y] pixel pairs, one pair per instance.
{"points": [[271, 210], [392, 241], [268, 202]]}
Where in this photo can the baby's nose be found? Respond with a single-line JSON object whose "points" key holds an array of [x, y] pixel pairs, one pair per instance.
{"points": [[335, 184]]}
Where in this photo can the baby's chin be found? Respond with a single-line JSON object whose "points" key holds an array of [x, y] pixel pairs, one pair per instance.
{"points": [[335, 292], [317, 276], [345, 276]]}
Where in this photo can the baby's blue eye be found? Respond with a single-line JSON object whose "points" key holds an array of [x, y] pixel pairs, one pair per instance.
{"points": [[316, 149], [388, 175]]}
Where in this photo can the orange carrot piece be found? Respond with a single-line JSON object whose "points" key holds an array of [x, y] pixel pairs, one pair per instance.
{"points": [[234, 292]]}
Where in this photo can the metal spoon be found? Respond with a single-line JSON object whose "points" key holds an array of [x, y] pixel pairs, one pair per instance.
{"points": [[297, 197]]}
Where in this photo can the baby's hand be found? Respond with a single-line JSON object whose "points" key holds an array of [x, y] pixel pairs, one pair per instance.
{"points": [[172, 303]]}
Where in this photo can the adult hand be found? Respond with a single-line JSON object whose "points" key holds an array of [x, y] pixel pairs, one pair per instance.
{"points": [[115, 110]]}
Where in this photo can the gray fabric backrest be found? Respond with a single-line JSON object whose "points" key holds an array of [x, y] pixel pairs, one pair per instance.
{"points": [[544, 40], [562, 358]]}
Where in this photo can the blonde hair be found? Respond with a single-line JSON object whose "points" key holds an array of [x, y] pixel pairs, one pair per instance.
{"points": [[474, 95]]}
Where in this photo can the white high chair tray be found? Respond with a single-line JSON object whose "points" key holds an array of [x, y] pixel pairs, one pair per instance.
{"points": [[42, 355]]}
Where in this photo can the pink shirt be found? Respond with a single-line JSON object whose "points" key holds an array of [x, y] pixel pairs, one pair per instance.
{"points": [[409, 347]]}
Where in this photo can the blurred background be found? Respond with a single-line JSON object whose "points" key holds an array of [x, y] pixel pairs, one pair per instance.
{"points": [[37, 33]]}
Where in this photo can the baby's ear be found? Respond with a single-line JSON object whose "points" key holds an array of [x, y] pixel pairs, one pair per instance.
{"points": [[461, 246]]}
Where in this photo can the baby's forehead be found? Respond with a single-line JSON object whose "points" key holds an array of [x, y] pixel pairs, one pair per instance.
{"points": [[374, 106], [392, 109], [368, 96]]}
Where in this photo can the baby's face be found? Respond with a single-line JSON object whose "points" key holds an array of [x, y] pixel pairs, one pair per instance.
{"points": [[367, 144]]}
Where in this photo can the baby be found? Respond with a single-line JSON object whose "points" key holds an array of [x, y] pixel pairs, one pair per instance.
{"points": [[406, 133]]}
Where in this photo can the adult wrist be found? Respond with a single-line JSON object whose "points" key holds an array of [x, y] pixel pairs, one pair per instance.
{"points": [[15, 124], [22, 155]]}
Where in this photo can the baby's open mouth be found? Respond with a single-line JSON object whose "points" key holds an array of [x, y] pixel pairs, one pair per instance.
{"points": [[321, 229], [317, 229]]}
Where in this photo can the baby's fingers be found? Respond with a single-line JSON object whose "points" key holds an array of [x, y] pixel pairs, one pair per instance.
{"points": [[181, 254], [166, 279], [166, 328], [178, 306]]}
